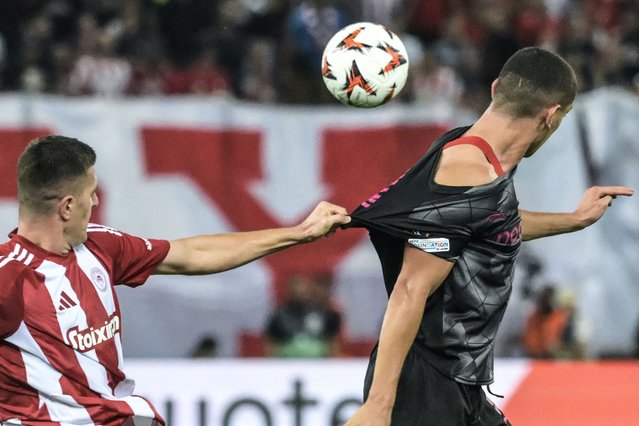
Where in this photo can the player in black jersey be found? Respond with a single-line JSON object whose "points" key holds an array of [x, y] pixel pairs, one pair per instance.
{"points": [[447, 234]]}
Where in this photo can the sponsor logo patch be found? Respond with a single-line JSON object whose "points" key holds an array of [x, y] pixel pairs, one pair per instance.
{"points": [[87, 339], [430, 245]]}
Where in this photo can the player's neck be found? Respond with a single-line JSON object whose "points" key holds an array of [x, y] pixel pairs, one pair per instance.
{"points": [[44, 232], [509, 138]]}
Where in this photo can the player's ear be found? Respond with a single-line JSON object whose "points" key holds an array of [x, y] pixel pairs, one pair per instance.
{"points": [[65, 206], [550, 115], [493, 88]]}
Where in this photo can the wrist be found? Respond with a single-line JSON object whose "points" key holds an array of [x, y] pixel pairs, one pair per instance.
{"points": [[382, 401], [578, 221], [301, 234]]}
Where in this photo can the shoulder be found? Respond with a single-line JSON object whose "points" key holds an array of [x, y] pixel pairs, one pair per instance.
{"points": [[95, 230], [464, 165], [14, 261], [13, 275], [106, 235], [11, 269], [103, 237]]}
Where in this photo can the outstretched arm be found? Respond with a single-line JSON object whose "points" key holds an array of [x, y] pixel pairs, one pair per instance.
{"points": [[421, 274], [593, 205], [207, 254]]}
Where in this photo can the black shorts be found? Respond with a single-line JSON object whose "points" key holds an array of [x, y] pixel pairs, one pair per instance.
{"points": [[426, 397]]}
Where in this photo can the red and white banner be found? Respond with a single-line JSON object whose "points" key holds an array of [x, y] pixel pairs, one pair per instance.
{"points": [[174, 167]]}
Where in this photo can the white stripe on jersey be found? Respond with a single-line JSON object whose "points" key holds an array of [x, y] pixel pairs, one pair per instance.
{"points": [[89, 263], [29, 259], [19, 254], [23, 254], [140, 407], [94, 227], [11, 422], [56, 282], [11, 256], [42, 376]]}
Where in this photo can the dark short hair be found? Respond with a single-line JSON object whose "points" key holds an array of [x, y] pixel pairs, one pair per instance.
{"points": [[46, 166], [534, 79]]}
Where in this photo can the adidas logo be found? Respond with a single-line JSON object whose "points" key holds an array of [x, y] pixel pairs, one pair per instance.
{"points": [[66, 302]]}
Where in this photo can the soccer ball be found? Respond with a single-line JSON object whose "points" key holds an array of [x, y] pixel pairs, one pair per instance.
{"points": [[364, 65]]}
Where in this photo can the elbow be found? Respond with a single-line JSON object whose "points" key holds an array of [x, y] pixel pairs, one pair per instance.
{"points": [[411, 289]]}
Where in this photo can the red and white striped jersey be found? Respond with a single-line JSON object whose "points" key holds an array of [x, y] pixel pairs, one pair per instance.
{"points": [[60, 348]]}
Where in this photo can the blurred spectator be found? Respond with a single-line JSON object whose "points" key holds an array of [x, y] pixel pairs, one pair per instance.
{"points": [[310, 25], [63, 63], [203, 77], [629, 39], [147, 75], [306, 325], [545, 326], [258, 73], [432, 82], [427, 18], [98, 70], [182, 23], [36, 54], [572, 340], [499, 38], [206, 347], [531, 22], [576, 45], [394, 14], [550, 330]]}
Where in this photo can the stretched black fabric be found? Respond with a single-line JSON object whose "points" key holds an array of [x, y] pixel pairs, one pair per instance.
{"points": [[477, 228]]}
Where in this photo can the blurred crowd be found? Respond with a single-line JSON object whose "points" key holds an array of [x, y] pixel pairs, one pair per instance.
{"points": [[270, 50]]}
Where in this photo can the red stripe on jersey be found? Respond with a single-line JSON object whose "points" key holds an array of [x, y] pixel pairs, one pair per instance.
{"points": [[17, 399], [106, 412], [485, 148]]}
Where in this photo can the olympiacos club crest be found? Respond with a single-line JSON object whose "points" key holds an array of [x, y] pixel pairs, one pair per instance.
{"points": [[98, 278]]}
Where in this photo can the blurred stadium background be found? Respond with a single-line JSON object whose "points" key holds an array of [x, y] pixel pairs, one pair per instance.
{"points": [[211, 116]]}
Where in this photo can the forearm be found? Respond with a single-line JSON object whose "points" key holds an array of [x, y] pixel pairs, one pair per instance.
{"points": [[592, 206], [539, 224], [207, 254], [401, 322]]}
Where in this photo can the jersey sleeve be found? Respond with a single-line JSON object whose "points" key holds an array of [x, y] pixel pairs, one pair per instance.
{"points": [[133, 259], [443, 230], [11, 300]]}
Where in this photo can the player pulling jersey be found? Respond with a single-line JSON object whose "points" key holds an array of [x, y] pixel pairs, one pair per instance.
{"points": [[60, 324], [478, 228]]}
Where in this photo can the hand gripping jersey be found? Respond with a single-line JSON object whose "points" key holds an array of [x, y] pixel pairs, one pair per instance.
{"points": [[60, 324], [478, 228]]}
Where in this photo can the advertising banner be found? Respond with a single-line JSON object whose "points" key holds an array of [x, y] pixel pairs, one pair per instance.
{"points": [[325, 393]]}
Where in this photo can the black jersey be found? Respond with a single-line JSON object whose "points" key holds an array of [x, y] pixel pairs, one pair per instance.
{"points": [[479, 229]]}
